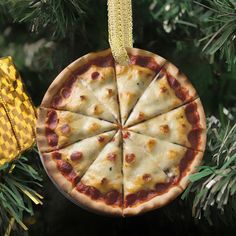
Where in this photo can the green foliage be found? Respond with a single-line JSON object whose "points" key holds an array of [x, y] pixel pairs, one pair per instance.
{"points": [[60, 17], [219, 31], [213, 187], [18, 181]]}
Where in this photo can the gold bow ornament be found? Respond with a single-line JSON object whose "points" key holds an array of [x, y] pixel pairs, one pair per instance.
{"points": [[17, 114]]}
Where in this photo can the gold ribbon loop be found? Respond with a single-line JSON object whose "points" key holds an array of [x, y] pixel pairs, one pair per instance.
{"points": [[120, 29]]}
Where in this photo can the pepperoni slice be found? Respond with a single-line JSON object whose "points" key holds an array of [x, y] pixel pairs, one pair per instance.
{"points": [[76, 156], [194, 137], [192, 114], [52, 137], [130, 199], [56, 155], [186, 161], [101, 139], [73, 177], [95, 75], [81, 187], [160, 188], [64, 167], [65, 92], [129, 158], [112, 157], [93, 192], [111, 197], [56, 102], [142, 194], [173, 82], [126, 135], [180, 92], [145, 62], [52, 119]]}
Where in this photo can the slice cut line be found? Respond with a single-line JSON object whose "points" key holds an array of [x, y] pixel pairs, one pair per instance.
{"points": [[170, 89], [60, 128], [102, 182], [73, 160], [184, 125], [97, 73], [152, 168], [73, 96], [133, 79]]}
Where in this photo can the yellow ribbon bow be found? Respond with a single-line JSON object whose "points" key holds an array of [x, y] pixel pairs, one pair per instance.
{"points": [[17, 114]]}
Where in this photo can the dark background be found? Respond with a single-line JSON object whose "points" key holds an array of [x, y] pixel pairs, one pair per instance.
{"points": [[42, 43]]}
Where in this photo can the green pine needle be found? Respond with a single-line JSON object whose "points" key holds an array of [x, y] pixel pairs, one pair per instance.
{"points": [[213, 187], [17, 182]]}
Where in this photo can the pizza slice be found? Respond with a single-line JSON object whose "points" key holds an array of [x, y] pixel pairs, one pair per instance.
{"points": [[101, 186], [57, 129], [96, 72], [184, 125], [67, 165], [167, 91], [133, 79], [69, 94], [155, 171]]}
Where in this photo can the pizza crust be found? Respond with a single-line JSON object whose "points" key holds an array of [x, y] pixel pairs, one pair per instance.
{"points": [[201, 113], [154, 203], [57, 178], [140, 52], [40, 130], [191, 169], [55, 87], [95, 206], [182, 79], [86, 58], [164, 199]]}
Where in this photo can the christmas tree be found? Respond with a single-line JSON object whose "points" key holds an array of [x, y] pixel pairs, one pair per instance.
{"points": [[44, 36]]}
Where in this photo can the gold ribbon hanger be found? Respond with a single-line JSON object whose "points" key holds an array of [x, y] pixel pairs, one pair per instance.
{"points": [[120, 28]]}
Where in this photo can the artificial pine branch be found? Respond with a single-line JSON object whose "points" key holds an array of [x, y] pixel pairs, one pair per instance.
{"points": [[210, 23], [58, 17], [219, 29], [213, 187], [18, 180]]}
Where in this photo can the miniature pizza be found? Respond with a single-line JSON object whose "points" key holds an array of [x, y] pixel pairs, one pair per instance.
{"points": [[121, 140]]}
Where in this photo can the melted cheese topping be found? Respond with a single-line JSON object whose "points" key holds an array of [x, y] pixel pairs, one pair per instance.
{"points": [[172, 126], [158, 98], [155, 162], [73, 127], [132, 80], [103, 85], [87, 155], [105, 172], [83, 101]]}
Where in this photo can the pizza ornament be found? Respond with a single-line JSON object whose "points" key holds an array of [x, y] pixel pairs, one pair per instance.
{"points": [[121, 140]]}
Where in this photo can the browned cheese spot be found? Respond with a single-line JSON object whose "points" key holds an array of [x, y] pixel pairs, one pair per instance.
{"points": [[147, 177], [94, 127], [82, 97], [109, 92], [151, 144], [164, 129], [97, 110]]}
